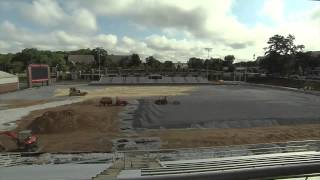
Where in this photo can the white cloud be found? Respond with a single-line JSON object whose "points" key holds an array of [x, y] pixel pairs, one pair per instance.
{"points": [[81, 20], [103, 38], [17, 38], [163, 43], [4, 46], [186, 26], [49, 13], [66, 38], [274, 10], [44, 12], [128, 45]]}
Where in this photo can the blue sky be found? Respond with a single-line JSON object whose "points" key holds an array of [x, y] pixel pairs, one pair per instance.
{"points": [[168, 29], [249, 12]]}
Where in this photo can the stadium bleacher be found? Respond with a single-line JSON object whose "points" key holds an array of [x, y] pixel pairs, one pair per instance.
{"points": [[243, 167], [118, 80]]}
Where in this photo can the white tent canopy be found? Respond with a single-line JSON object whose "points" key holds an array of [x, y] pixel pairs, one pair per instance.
{"points": [[6, 78]]}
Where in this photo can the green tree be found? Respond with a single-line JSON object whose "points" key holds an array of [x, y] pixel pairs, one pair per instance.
{"points": [[281, 55], [168, 65], [214, 64], [99, 53], [283, 45], [135, 60], [228, 60], [58, 60], [305, 61], [153, 62], [81, 52], [5, 62], [195, 63]]}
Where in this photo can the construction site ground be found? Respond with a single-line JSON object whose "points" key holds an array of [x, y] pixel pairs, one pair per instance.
{"points": [[84, 126], [192, 138]]}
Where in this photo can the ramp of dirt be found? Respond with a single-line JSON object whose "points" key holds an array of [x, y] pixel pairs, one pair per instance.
{"points": [[83, 126], [64, 121]]}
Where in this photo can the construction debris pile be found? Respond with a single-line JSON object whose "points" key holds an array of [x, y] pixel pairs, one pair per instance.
{"points": [[62, 121]]}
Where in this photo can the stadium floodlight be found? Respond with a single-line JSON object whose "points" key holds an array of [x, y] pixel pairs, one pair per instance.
{"points": [[208, 50]]}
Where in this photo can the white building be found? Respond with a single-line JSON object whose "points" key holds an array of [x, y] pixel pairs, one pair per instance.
{"points": [[181, 65]]}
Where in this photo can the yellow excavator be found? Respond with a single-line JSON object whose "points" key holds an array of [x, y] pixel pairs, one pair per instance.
{"points": [[76, 92]]}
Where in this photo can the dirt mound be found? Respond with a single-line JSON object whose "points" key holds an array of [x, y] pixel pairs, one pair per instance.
{"points": [[61, 121]]}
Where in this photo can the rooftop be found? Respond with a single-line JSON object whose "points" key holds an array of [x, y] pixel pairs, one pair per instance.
{"points": [[84, 59]]}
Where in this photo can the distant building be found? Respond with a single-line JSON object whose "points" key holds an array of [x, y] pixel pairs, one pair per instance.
{"points": [[180, 65], [81, 59], [8, 82], [117, 58]]}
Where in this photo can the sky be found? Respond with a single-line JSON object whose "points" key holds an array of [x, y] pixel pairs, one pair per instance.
{"points": [[166, 29]]}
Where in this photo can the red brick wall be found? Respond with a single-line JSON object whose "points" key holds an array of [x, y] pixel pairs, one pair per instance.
{"points": [[8, 87]]}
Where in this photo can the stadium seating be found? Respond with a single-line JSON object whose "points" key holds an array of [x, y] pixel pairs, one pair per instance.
{"points": [[118, 80]]}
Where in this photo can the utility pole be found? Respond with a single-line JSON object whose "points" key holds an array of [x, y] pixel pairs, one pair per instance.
{"points": [[99, 62], [208, 50]]}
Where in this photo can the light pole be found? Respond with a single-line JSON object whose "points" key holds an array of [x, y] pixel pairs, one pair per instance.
{"points": [[99, 63], [208, 50]]}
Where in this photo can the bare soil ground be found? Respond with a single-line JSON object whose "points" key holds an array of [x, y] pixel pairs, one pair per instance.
{"points": [[87, 127], [131, 91], [21, 103], [81, 126], [190, 138]]}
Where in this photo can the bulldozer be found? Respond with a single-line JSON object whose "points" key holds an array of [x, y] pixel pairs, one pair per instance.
{"points": [[25, 140], [76, 92], [117, 102]]}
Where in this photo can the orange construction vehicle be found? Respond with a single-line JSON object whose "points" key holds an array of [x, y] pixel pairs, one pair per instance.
{"points": [[26, 141], [116, 102], [121, 102]]}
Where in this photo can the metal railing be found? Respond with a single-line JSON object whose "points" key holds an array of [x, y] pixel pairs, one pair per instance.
{"points": [[10, 159]]}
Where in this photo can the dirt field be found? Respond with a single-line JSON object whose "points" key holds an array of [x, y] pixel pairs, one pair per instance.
{"points": [[85, 126], [81, 126], [21, 103], [131, 91], [184, 138]]}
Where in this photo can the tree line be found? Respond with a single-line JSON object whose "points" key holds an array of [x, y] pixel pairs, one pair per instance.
{"points": [[282, 56], [217, 64], [18, 62]]}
